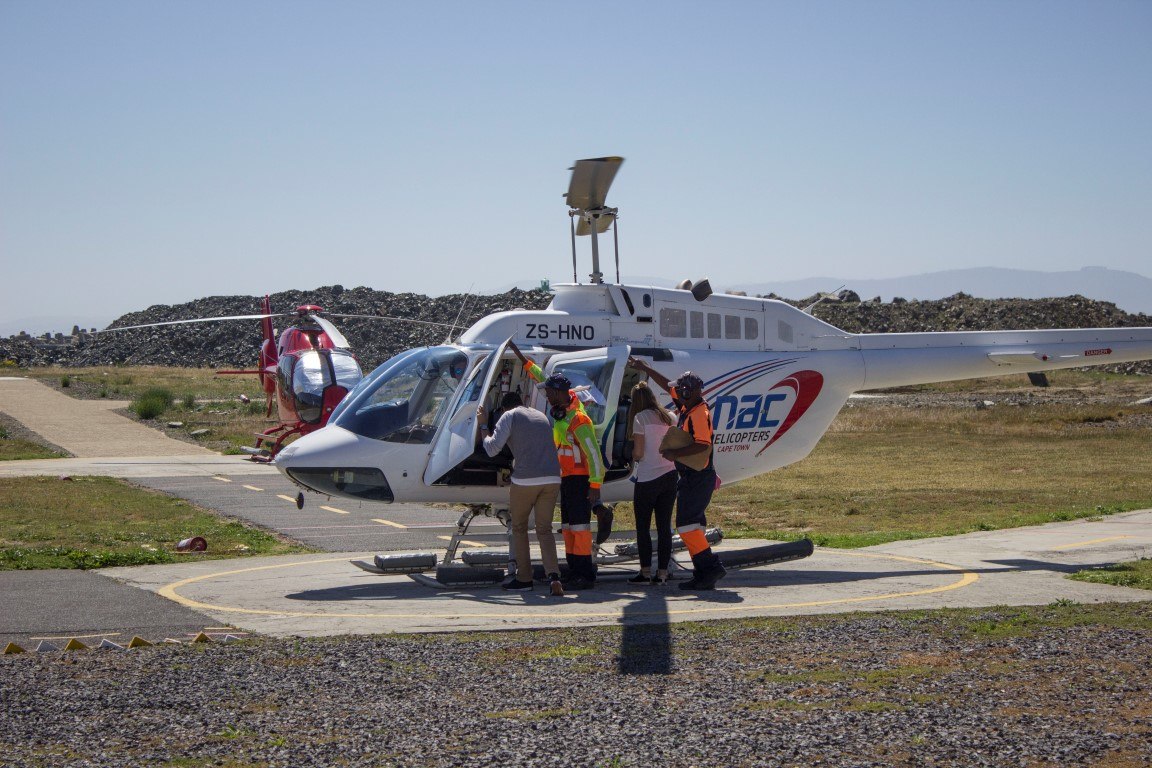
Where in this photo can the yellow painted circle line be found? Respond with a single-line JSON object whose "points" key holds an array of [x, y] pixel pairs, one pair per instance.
{"points": [[170, 591]]}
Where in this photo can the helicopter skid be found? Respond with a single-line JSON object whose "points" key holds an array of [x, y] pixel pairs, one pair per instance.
{"points": [[481, 568], [456, 576]]}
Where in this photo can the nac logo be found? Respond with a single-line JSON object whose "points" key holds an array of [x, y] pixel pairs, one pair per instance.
{"points": [[761, 419]]}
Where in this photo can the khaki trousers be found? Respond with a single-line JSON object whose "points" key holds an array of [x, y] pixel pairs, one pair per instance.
{"points": [[523, 501]]}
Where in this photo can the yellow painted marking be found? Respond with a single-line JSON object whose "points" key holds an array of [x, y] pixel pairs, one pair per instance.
{"points": [[333, 509], [387, 522], [68, 637], [170, 591], [465, 542], [1088, 543], [253, 488], [286, 498], [221, 479]]}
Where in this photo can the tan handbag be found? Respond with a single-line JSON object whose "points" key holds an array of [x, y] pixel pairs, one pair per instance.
{"points": [[678, 438]]}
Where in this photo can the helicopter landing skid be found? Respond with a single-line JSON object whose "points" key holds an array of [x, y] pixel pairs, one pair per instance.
{"points": [[472, 572], [266, 447]]}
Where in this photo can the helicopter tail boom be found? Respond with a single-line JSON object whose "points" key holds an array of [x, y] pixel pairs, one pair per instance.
{"points": [[905, 359]]}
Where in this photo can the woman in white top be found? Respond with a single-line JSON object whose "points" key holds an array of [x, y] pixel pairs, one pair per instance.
{"points": [[655, 479]]}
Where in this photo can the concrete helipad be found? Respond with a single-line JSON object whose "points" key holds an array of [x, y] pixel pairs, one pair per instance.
{"points": [[327, 595]]}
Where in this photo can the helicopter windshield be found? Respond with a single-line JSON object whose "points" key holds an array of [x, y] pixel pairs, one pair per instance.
{"points": [[406, 398], [312, 372]]}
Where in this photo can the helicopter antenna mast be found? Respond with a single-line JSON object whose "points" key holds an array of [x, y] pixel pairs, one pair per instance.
{"points": [[463, 304], [585, 197]]}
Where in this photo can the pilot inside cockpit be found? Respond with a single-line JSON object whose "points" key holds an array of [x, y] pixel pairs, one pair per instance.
{"points": [[450, 371]]}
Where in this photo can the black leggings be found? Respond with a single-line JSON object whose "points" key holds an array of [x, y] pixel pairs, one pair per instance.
{"points": [[657, 496]]}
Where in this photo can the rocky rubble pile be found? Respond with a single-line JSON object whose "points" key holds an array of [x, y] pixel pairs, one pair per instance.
{"points": [[235, 343]]}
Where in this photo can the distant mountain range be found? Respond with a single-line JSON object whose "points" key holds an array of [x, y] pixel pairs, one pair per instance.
{"points": [[1127, 290]]}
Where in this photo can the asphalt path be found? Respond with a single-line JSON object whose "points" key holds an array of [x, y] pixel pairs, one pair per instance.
{"points": [[330, 525]]}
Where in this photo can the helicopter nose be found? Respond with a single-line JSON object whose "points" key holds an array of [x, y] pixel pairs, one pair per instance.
{"points": [[335, 462]]}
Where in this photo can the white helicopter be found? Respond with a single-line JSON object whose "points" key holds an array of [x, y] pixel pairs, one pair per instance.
{"points": [[775, 377]]}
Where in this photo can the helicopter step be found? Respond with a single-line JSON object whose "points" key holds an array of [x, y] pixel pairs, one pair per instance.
{"points": [[399, 564]]}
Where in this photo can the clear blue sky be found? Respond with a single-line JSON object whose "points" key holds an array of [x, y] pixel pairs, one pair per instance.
{"points": [[157, 152]]}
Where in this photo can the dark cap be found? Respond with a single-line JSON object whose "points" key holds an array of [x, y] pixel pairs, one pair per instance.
{"points": [[558, 381], [689, 380]]}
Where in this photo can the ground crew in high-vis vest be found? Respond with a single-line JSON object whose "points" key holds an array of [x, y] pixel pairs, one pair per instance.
{"points": [[581, 474], [695, 486]]}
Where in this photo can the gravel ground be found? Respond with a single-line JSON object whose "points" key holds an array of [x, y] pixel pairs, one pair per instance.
{"points": [[1063, 685]]}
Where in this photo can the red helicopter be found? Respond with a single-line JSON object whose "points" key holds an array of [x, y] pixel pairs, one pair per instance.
{"points": [[307, 372]]}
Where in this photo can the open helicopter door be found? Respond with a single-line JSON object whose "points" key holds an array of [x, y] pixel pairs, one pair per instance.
{"points": [[455, 440], [597, 376]]}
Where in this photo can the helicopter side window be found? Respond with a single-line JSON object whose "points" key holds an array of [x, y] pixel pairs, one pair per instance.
{"points": [[696, 324], [673, 323], [590, 379]]}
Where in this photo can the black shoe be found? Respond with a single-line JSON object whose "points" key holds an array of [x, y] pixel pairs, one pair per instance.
{"points": [[604, 518], [517, 585], [640, 578], [578, 585]]}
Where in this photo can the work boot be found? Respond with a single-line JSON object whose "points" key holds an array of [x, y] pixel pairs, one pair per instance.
{"points": [[693, 582], [705, 580], [578, 584], [516, 585], [713, 575]]}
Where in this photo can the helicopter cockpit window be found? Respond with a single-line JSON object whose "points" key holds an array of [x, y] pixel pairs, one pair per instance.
{"points": [[312, 372], [407, 401]]}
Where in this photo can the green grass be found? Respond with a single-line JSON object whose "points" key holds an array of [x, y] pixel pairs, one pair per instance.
{"points": [[1136, 574], [152, 402], [91, 522], [12, 449]]}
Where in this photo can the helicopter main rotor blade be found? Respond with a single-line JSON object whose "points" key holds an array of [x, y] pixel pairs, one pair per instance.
{"points": [[194, 320], [385, 317], [590, 182], [335, 335]]}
